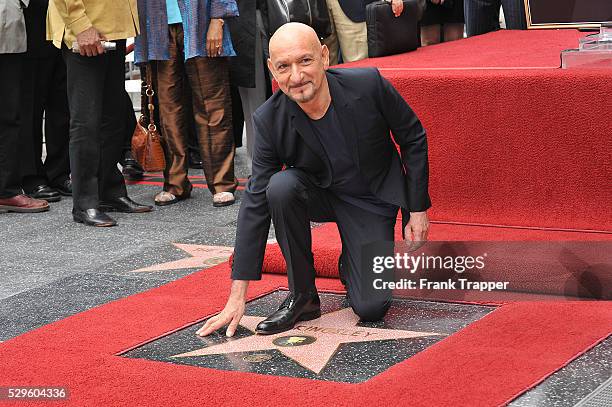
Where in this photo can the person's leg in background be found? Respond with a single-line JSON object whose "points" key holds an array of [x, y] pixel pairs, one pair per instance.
{"points": [[514, 14], [95, 98], [57, 129], [237, 115], [453, 31], [170, 93], [252, 98], [193, 147], [111, 184], [430, 34], [352, 36], [85, 85], [212, 106], [34, 85], [481, 16], [454, 22], [131, 169], [332, 40], [11, 194]]}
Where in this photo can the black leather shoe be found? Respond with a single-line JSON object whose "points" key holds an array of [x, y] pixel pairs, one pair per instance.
{"points": [[93, 217], [195, 160], [296, 307], [131, 170], [64, 188], [45, 192], [124, 204]]}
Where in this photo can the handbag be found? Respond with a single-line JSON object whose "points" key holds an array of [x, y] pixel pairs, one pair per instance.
{"points": [[310, 12], [147, 146], [389, 35]]}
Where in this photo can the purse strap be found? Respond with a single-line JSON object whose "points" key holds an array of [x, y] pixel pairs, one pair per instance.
{"points": [[150, 106]]}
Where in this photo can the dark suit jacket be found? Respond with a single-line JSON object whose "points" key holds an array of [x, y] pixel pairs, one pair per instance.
{"points": [[243, 30], [36, 23], [354, 9], [367, 107]]}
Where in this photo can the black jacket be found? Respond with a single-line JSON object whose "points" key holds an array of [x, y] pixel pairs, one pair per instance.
{"points": [[36, 23], [368, 107], [243, 30]]}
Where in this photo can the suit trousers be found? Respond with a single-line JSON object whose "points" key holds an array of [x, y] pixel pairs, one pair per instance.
{"points": [[44, 91], [347, 37], [10, 80], [129, 123], [96, 98], [212, 110], [482, 16], [294, 201], [252, 98]]}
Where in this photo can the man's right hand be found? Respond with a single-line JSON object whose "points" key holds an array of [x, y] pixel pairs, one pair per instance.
{"points": [[231, 314], [90, 42]]}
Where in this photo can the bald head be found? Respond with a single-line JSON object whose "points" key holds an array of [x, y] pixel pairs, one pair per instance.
{"points": [[293, 35], [298, 62]]}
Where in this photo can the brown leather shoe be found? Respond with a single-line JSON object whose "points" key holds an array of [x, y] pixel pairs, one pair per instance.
{"points": [[23, 204]]}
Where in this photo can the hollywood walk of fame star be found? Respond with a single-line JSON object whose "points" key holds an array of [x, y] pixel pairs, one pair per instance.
{"points": [[310, 343], [201, 257]]}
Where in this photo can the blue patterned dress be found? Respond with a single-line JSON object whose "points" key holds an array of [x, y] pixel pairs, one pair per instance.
{"points": [[152, 43]]}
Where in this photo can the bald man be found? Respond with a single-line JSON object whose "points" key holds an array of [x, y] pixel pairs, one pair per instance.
{"points": [[329, 129]]}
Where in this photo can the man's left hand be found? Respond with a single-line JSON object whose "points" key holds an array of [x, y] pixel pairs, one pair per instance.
{"points": [[417, 229]]}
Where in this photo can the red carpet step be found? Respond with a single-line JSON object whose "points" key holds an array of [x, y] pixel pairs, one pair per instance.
{"points": [[513, 139]]}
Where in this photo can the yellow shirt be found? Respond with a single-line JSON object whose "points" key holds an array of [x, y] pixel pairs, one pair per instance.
{"points": [[115, 19]]}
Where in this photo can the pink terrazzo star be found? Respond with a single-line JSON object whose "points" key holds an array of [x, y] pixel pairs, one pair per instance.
{"points": [[329, 332], [201, 257]]}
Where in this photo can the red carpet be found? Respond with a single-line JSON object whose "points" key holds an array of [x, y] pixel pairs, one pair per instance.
{"points": [[537, 49], [511, 145], [486, 364], [327, 246], [551, 265], [516, 147]]}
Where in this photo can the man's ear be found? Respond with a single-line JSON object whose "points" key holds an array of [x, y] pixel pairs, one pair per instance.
{"points": [[271, 68], [325, 56]]}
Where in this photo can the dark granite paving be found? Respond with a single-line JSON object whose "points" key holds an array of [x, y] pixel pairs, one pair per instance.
{"points": [[574, 382], [46, 257], [51, 268]]}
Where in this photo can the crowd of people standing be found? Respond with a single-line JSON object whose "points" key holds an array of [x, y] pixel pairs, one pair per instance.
{"points": [[206, 57]]}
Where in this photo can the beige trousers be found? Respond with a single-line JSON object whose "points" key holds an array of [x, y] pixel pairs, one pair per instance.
{"points": [[350, 37]]}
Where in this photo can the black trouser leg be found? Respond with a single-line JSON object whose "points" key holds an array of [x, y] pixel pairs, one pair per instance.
{"points": [[95, 97], [112, 183], [130, 123], [30, 136], [10, 84], [293, 201], [481, 16], [359, 227], [514, 14], [57, 123], [44, 92]]}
